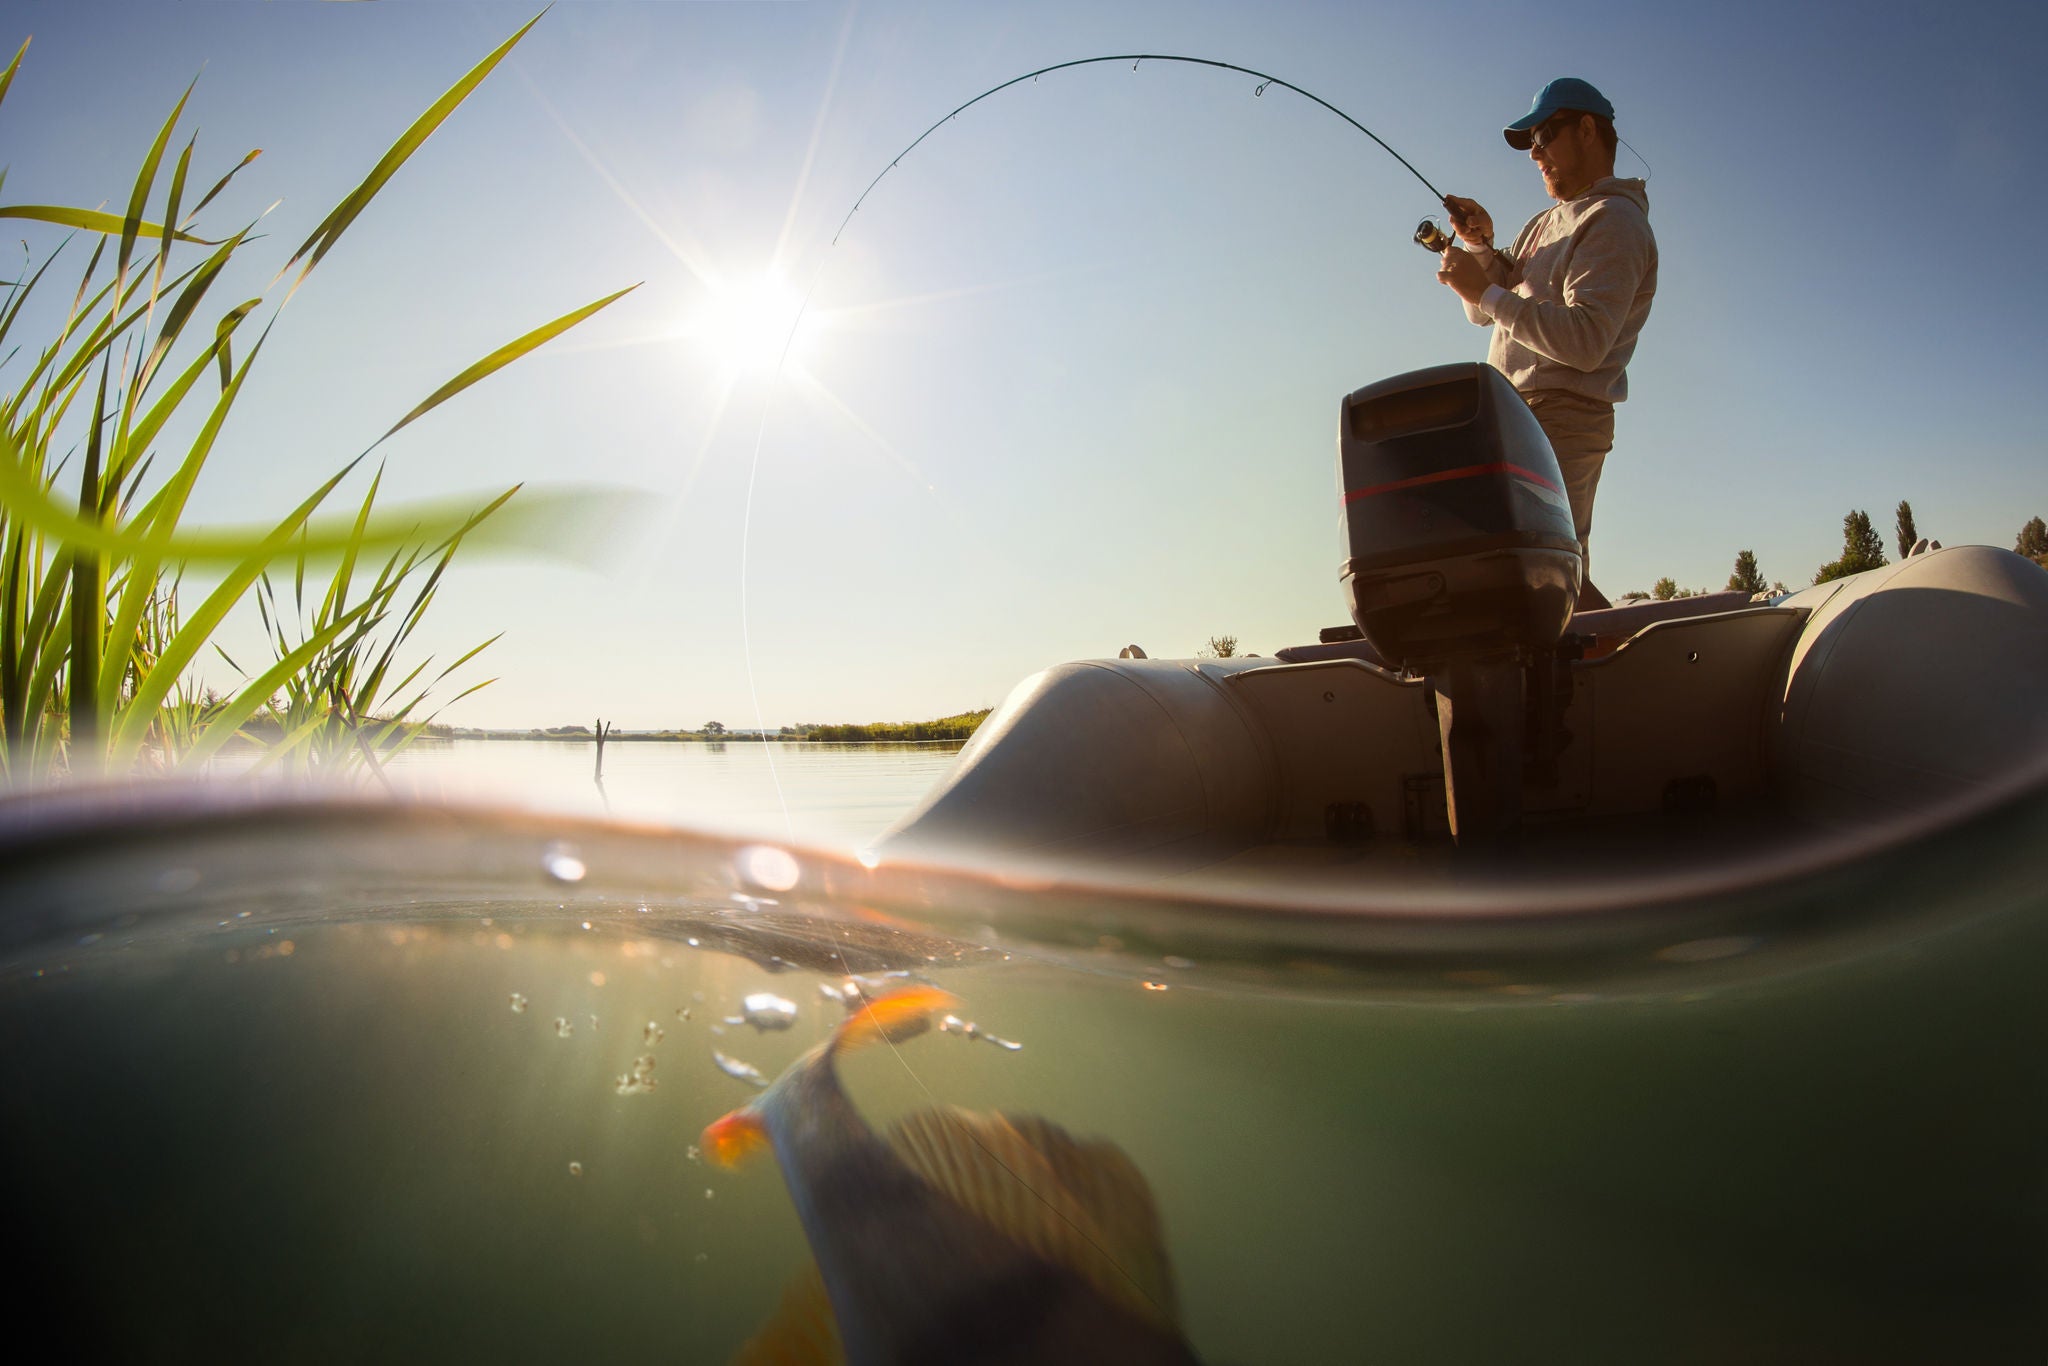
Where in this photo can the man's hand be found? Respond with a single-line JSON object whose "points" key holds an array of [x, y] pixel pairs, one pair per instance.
{"points": [[1464, 274], [1473, 223]]}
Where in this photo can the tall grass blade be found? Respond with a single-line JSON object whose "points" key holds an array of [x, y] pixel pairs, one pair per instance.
{"points": [[173, 398], [223, 330], [222, 184], [88, 597], [177, 197], [92, 269], [504, 356], [564, 523], [94, 220], [22, 292], [53, 613], [7, 76], [346, 212], [337, 591], [145, 181], [13, 606]]}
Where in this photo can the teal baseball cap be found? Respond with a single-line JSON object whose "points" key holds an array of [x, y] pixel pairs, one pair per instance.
{"points": [[1566, 92]]}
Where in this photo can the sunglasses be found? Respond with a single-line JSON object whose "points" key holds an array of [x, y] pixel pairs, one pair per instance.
{"points": [[1552, 128]]}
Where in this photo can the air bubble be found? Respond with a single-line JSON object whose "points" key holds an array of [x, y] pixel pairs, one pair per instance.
{"points": [[764, 1010], [563, 1029], [518, 1004], [953, 1024], [766, 866], [733, 1067], [563, 863], [640, 1080]]}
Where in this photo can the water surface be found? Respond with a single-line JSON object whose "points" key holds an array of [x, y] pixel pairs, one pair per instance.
{"points": [[832, 792]]}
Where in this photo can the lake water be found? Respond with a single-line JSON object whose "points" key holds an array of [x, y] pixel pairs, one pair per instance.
{"points": [[301, 1079], [837, 794]]}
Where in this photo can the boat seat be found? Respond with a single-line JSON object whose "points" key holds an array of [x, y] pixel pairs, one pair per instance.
{"points": [[1601, 630], [1358, 647], [1619, 623]]}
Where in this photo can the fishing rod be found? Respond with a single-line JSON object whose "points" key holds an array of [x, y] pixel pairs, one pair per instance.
{"points": [[1427, 233]]}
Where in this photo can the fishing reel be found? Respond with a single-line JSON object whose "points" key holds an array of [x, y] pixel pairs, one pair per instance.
{"points": [[1431, 237]]}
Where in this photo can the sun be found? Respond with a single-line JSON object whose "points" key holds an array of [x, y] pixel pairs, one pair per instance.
{"points": [[752, 325]]}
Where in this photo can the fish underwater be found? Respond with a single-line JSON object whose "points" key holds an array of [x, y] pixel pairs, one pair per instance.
{"points": [[956, 1237]]}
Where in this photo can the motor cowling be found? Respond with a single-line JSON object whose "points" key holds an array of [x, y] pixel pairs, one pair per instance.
{"points": [[1462, 566], [1457, 530]]}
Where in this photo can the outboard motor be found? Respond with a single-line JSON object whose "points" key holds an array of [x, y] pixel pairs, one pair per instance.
{"points": [[1463, 565]]}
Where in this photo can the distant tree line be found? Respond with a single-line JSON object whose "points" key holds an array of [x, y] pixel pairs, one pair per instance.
{"points": [[957, 727], [2033, 541], [1862, 549]]}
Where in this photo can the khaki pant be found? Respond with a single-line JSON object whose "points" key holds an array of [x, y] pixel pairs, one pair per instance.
{"points": [[1581, 432]]}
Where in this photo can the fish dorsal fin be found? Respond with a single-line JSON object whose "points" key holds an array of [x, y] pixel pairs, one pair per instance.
{"points": [[1083, 1205]]}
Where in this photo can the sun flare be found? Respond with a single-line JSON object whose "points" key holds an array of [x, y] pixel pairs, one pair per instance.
{"points": [[752, 325]]}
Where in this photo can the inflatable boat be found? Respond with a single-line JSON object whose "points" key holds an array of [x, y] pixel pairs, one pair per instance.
{"points": [[1469, 714]]}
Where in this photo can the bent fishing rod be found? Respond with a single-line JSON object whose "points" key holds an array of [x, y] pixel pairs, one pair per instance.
{"points": [[1429, 234]]}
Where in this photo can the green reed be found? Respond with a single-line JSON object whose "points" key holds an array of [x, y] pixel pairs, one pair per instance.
{"points": [[96, 643]]}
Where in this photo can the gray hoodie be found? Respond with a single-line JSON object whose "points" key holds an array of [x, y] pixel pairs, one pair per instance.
{"points": [[1566, 313]]}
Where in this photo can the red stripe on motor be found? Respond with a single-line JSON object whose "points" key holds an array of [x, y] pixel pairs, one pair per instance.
{"points": [[1466, 472]]}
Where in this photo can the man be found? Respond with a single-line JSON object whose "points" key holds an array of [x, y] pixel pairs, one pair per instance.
{"points": [[1567, 300]]}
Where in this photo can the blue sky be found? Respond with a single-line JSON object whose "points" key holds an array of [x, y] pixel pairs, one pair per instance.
{"points": [[1077, 362]]}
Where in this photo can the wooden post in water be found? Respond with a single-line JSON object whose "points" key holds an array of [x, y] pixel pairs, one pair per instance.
{"points": [[598, 776]]}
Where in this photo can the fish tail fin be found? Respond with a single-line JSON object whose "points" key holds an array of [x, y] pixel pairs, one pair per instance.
{"points": [[900, 1015], [733, 1138]]}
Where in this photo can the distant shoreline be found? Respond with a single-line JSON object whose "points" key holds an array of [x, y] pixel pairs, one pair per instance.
{"points": [[680, 737], [958, 727]]}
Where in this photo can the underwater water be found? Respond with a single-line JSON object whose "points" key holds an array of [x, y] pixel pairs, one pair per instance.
{"points": [[335, 1080]]}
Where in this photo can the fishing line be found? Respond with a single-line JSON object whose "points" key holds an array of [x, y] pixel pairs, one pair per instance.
{"points": [[1134, 58], [754, 464], [1265, 80]]}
